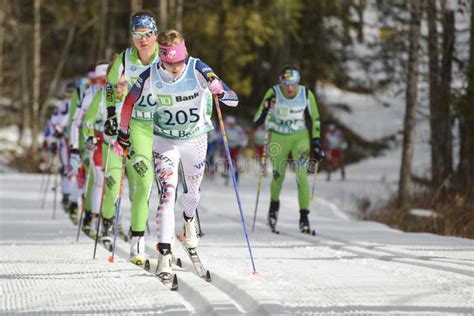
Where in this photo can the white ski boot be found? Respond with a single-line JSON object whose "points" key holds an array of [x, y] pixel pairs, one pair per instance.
{"points": [[191, 236], [164, 263], [137, 250]]}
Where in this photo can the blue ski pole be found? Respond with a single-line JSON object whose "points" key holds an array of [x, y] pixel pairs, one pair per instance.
{"points": [[234, 181]]}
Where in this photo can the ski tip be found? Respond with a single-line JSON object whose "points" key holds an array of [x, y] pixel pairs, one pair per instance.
{"points": [[174, 286], [313, 233], [179, 263], [208, 276], [111, 259]]}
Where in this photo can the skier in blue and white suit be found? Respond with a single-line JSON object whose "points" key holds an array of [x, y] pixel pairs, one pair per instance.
{"points": [[183, 88]]}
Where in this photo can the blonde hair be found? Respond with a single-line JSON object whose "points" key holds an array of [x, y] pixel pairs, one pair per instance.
{"points": [[170, 38]]}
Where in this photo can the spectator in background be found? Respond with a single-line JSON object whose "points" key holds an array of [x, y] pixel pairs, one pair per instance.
{"points": [[237, 139], [335, 144], [57, 142]]}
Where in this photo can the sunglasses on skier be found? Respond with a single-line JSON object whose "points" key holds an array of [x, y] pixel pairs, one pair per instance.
{"points": [[140, 35]]}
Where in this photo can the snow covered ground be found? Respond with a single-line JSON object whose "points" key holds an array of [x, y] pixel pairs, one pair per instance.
{"points": [[351, 267]]}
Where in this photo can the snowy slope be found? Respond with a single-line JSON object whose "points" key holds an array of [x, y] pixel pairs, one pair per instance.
{"points": [[351, 267]]}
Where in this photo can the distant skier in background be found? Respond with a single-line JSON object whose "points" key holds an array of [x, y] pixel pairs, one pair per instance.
{"points": [[335, 145], [290, 103], [236, 139], [84, 150], [94, 129], [56, 140], [76, 100]]}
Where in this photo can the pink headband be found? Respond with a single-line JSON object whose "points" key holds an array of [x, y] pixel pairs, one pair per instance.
{"points": [[173, 54]]}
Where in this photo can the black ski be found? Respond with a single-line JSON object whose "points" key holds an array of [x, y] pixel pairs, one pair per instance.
{"points": [[274, 230], [169, 280], [107, 242], [202, 272], [308, 232]]}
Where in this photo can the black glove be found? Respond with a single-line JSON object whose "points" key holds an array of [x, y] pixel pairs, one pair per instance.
{"points": [[123, 139], [111, 126], [268, 103], [317, 149], [53, 148], [58, 134]]}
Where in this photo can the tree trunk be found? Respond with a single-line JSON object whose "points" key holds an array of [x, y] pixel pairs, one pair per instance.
{"points": [[25, 96], [164, 14], [466, 162], [179, 15], [411, 100], [3, 10], [172, 10], [446, 142], [136, 5], [103, 30], [360, 13], [221, 23], [58, 71], [36, 75], [435, 115], [94, 39]]}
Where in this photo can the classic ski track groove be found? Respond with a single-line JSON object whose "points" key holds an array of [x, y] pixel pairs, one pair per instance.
{"points": [[244, 302], [364, 251], [191, 286]]}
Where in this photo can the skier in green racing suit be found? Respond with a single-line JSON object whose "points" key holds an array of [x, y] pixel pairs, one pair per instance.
{"points": [[289, 104], [132, 62]]}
